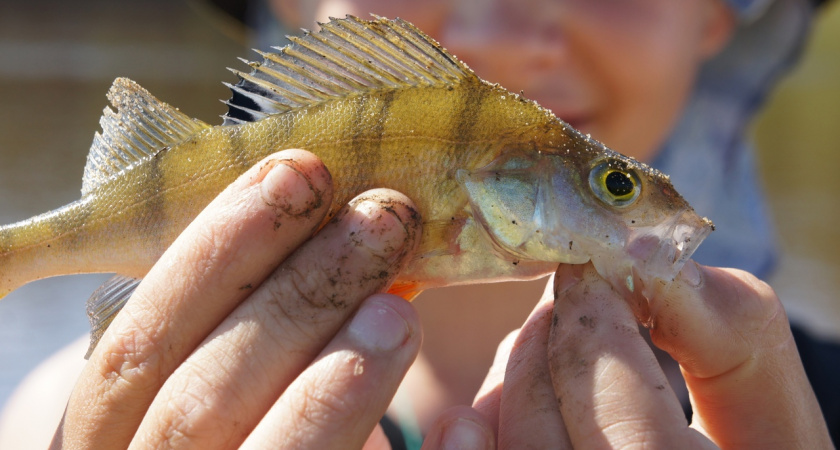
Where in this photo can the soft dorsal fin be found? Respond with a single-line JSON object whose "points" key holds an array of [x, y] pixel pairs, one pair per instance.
{"points": [[346, 56], [140, 127]]}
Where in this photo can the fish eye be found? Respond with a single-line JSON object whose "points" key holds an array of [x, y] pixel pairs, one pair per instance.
{"points": [[614, 183]]}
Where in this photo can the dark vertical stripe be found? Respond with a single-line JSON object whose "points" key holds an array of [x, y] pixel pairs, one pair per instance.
{"points": [[364, 152], [359, 126], [467, 116], [384, 111], [152, 218], [360, 164], [375, 155]]}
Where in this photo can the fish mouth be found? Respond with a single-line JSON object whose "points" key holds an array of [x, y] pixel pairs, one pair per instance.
{"points": [[660, 251], [656, 252]]}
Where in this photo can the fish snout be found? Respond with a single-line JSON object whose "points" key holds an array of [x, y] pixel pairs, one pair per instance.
{"points": [[660, 251]]}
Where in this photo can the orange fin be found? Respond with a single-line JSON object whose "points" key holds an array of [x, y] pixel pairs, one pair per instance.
{"points": [[405, 289]]}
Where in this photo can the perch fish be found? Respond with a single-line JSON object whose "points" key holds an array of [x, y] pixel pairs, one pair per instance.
{"points": [[506, 190]]}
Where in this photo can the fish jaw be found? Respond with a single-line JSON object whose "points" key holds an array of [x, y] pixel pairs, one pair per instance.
{"points": [[661, 251], [653, 256]]}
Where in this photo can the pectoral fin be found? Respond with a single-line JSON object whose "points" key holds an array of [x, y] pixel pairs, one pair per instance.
{"points": [[104, 304], [405, 289]]}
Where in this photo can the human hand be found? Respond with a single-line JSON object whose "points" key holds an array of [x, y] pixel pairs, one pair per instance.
{"points": [[244, 332], [579, 374]]}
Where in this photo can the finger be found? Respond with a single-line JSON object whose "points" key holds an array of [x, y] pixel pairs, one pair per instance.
{"points": [[229, 248], [460, 427], [377, 440], [611, 390], [489, 396], [249, 360], [529, 415], [730, 334], [340, 398]]}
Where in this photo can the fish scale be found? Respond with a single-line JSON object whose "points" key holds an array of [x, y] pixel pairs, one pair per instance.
{"points": [[506, 190]]}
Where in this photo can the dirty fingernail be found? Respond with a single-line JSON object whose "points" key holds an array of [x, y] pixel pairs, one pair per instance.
{"points": [[287, 189], [462, 434], [379, 229], [690, 273], [378, 328]]}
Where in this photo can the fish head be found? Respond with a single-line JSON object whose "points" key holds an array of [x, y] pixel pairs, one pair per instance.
{"points": [[655, 229], [582, 202]]}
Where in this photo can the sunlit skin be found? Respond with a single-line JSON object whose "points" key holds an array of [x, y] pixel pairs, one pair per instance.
{"points": [[619, 70], [576, 375]]}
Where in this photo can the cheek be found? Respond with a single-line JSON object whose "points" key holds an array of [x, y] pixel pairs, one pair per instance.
{"points": [[643, 63], [647, 98]]}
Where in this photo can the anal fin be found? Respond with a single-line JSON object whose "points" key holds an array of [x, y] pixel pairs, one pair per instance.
{"points": [[104, 304]]}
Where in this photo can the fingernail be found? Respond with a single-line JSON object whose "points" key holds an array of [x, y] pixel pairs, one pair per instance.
{"points": [[287, 189], [379, 229], [464, 434], [378, 328], [566, 277], [690, 273]]}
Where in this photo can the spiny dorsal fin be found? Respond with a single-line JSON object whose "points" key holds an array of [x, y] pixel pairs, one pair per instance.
{"points": [[140, 127], [346, 56]]}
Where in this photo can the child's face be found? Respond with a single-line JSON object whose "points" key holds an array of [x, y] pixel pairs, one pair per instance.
{"points": [[618, 69]]}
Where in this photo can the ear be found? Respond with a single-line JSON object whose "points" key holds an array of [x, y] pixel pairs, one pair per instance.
{"points": [[719, 25]]}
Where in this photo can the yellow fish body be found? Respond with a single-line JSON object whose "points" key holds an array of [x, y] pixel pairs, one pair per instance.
{"points": [[506, 190]]}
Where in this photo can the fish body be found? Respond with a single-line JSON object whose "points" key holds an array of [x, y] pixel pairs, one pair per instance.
{"points": [[506, 190]]}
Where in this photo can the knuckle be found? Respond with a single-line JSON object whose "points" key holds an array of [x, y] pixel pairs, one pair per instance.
{"points": [[635, 432], [210, 249], [195, 409], [299, 290], [321, 407], [132, 363], [297, 303], [318, 287], [315, 410], [324, 407], [177, 429], [762, 303]]}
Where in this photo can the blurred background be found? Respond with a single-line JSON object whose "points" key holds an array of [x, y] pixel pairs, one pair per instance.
{"points": [[57, 60]]}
